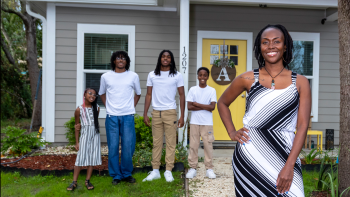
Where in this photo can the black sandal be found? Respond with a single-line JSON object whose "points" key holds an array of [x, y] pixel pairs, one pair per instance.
{"points": [[88, 184], [72, 186]]}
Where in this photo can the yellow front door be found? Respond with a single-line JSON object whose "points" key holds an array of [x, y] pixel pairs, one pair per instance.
{"points": [[236, 50]]}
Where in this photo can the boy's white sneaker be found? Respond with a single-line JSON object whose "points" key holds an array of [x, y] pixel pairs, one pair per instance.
{"points": [[191, 173], [210, 174], [168, 176], [152, 175]]}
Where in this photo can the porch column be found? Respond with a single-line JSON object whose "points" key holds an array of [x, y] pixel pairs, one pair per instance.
{"points": [[183, 55]]}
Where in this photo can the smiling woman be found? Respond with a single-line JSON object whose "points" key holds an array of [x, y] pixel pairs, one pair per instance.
{"points": [[265, 161]]}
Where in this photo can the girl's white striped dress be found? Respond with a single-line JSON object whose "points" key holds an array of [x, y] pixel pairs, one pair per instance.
{"points": [[271, 117], [89, 153]]}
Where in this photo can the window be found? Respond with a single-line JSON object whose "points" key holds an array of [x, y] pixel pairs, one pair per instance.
{"points": [[306, 57], [96, 43]]}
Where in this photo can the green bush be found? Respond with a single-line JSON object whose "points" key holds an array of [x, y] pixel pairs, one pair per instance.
{"points": [[181, 154], [18, 142], [70, 134], [142, 157], [144, 138]]}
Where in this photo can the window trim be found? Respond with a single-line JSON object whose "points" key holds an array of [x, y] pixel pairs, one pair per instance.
{"points": [[315, 38], [99, 29]]}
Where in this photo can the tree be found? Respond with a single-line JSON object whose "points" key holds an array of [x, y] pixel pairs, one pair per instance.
{"points": [[344, 68], [18, 8]]}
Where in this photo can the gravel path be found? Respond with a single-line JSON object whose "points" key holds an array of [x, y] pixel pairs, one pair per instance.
{"points": [[221, 186]]}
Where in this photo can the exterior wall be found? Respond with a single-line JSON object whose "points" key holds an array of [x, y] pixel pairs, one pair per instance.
{"points": [[253, 19], [155, 31]]}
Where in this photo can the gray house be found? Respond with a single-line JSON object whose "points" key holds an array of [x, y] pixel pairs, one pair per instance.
{"points": [[80, 35]]}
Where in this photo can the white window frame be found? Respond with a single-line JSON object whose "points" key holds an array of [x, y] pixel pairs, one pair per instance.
{"points": [[315, 38], [99, 29]]}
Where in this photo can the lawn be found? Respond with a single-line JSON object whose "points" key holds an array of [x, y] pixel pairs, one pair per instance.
{"points": [[12, 184], [310, 179]]}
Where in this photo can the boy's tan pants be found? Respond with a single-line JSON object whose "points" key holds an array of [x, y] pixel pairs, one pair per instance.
{"points": [[207, 134], [164, 121]]}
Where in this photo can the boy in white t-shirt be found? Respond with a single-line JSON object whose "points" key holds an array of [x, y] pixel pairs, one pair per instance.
{"points": [[201, 100], [162, 85], [117, 94]]}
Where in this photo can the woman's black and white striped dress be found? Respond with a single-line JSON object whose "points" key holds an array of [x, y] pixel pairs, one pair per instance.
{"points": [[271, 117], [89, 153]]}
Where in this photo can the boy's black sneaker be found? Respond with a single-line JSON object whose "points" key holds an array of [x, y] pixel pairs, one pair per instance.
{"points": [[116, 181], [129, 179]]}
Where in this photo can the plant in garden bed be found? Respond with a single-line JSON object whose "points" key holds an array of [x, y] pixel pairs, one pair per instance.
{"points": [[70, 134], [144, 138], [142, 158], [310, 158], [19, 142]]}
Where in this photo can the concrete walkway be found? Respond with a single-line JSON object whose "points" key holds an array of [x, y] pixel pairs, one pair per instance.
{"points": [[221, 186]]}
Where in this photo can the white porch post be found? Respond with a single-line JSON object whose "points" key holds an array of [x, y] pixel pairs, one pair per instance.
{"points": [[49, 73], [183, 63]]}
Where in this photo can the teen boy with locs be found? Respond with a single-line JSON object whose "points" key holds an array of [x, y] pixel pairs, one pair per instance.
{"points": [[162, 84], [117, 94]]}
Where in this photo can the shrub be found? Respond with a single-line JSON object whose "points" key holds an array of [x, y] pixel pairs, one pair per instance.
{"points": [[309, 158], [18, 142], [144, 138], [142, 157], [70, 134], [181, 154]]}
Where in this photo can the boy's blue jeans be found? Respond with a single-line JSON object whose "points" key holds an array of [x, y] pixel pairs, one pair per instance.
{"points": [[123, 127]]}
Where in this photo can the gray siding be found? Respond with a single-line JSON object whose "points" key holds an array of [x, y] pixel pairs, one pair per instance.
{"points": [[155, 31], [252, 19], [160, 30]]}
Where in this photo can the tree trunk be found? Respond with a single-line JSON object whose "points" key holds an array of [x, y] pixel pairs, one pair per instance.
{"points": [[33, 68], [344, 68]]}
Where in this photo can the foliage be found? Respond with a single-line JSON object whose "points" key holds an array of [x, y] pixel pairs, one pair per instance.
{"points": [[19, 142], [309, 158], [54, 186], [22, 54], [15, 94], [70, 134], [144, 138], [21, 123], [181, 154], [230, 64], [142, 157]]}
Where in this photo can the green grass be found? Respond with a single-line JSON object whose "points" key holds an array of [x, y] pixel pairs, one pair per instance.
{"points": [[12, 184], [16, 123], [310, 179]]}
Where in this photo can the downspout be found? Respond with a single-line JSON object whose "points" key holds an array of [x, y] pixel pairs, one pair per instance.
{"points": [[43, 111]]}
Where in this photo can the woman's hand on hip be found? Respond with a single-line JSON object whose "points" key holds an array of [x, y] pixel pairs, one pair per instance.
{"points": [[240, 136], [285, 179]]}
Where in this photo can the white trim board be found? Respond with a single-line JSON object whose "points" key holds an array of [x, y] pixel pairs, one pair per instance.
{"points": [[49, 74], [129, 2], [315, 37], [248, 36], [99, 29], [120, 7]]}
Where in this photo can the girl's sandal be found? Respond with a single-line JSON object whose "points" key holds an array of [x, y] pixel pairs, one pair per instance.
{"points": [[72, 186], [89, 185]]}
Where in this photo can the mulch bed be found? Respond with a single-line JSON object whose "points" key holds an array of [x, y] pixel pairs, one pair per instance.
{"points": [[320, 194], [51, 162]]}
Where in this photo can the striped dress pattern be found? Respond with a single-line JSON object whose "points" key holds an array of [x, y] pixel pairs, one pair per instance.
{"points": [[89, 153], [271, 118]]}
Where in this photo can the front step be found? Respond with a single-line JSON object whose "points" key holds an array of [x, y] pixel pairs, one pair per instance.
{"points": [[222, 144]]}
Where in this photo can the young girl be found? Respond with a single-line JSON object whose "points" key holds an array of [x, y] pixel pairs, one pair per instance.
{"points": [[89, 147]]}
